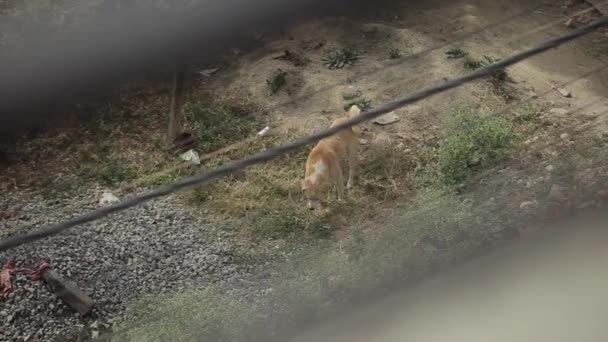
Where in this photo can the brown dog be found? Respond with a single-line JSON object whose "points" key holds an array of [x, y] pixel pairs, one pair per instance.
{"points": [[324, 163]]}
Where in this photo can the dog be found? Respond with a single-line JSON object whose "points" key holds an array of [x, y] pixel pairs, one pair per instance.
{"points": [[324, 163]]}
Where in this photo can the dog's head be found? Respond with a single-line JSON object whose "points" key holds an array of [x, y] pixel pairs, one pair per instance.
{"points": [[312, 195]]}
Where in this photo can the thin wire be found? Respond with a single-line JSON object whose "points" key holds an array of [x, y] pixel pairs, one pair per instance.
{"points": [[271, 154]]}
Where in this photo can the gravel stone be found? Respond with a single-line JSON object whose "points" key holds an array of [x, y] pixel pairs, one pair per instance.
{"points": [[154, 248]]}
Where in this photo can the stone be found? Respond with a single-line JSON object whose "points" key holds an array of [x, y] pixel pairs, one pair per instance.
{"points": [[386, 119], [527, 205], [108, 198], [564, 92]]}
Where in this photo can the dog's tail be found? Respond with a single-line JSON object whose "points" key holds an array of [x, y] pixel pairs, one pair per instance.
{"points": [[353, 111]]}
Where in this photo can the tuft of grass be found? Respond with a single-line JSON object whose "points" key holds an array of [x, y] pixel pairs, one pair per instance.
{"points": [[472, 140], [527, 113], [218, 125], [498, 79], [341, 58], [456, 52], [499, 76], [394, 53], [277, 80]]}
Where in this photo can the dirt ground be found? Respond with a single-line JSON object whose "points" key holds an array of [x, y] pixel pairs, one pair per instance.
{"points": [[423, 33]]}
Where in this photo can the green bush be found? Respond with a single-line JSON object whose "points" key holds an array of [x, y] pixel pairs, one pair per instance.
{"points": [[218, 126], [472, 140]]}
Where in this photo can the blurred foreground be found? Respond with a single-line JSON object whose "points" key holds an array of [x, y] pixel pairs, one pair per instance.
{"points": [[549, 288]]}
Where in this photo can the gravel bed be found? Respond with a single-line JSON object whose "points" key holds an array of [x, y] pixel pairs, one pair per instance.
{"points": [[150, 249]]}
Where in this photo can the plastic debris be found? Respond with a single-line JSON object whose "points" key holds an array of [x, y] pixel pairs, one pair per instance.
{"points": [[191, 156], [208, 72], [264, 131], [108, 198]]}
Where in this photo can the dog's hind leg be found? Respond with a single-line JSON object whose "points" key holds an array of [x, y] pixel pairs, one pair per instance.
{"points": [[353, 157], [338, 179]]}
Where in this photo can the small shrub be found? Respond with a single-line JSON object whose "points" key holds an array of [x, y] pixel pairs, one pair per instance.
{"points": [[497, 79], [473, 64], [356, 98], [394, 53], [472, 140], [277, 81], [456, 52], [338, 59], [362, 102]]}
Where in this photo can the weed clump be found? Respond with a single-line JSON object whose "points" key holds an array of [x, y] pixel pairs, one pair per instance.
{"points": [[472, 140], [338, 59], [356, 99], [277, 80], [498, 79], [394, 53], [456, 52]]}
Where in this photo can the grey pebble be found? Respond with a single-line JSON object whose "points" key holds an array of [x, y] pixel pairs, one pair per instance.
{"points": [[155, 248]]}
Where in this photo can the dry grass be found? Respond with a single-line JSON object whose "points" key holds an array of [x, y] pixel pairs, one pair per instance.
{"points": [[437, 227]]}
